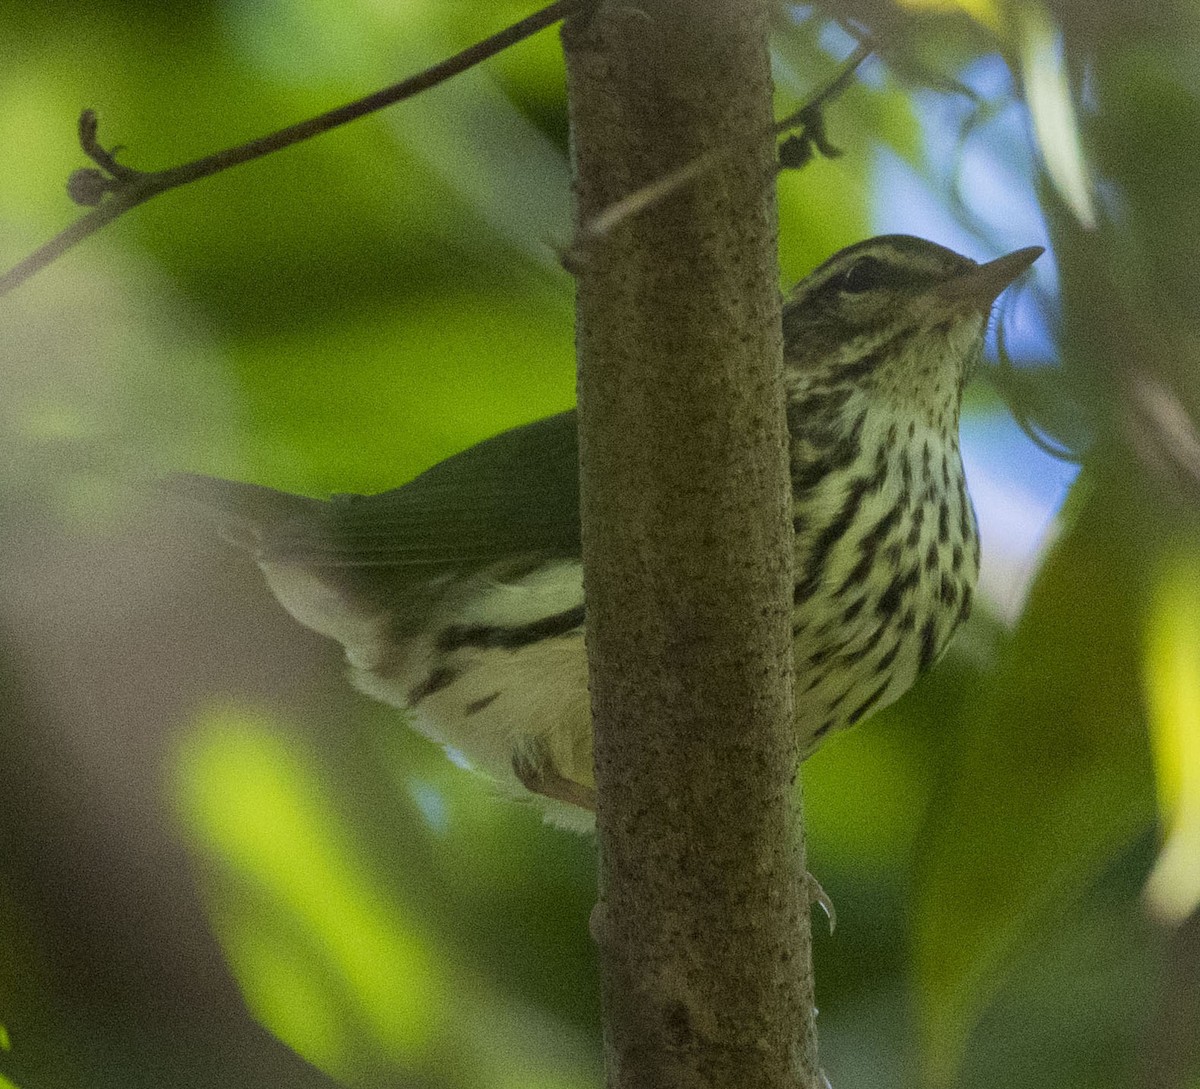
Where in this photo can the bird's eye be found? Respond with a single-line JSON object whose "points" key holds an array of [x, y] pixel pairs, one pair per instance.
{"points": [[866, 273]]}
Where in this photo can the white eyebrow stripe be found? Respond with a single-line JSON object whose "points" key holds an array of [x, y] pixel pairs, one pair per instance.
{"points": [[888, 249]]}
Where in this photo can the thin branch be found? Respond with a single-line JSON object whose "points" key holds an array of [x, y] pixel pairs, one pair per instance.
{"points": [[113, 189], [810, 118], [796, 152]]}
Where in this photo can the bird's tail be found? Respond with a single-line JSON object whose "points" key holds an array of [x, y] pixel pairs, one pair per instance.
{"points": [[245, 514]]}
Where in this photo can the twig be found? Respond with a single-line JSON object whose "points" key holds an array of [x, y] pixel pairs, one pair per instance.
{"points": [[795, 152], [112, 189], [798, 150]]}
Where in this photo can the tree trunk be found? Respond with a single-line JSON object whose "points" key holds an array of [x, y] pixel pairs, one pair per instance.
{"points": [[703, 923]]}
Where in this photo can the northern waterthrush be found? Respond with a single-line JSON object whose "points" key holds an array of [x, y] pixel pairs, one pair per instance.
{"points": [[459, 595]]}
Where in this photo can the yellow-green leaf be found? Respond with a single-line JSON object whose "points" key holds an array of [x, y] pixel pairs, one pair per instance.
{"points": [[1048, 93], [340, 960], [985, 12], [1173, 697]]}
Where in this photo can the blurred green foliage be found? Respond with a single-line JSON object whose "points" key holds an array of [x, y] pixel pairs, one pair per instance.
{"points": [[217, 866]]}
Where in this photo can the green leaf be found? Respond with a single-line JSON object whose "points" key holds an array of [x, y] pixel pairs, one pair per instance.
{"points": [[1052, 109], [1173, 691], [1052, 778], [987, 13]]}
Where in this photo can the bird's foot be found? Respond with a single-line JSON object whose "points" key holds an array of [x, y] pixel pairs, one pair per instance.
{"points": [[535, 768], [817, 895]]}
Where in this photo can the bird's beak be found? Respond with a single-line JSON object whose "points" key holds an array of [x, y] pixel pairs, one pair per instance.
{"points": [[978, 288]]}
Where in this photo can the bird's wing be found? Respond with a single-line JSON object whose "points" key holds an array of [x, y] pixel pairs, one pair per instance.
{"points": [[513, 495]]}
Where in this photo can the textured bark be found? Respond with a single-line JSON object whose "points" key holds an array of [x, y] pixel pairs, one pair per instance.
{"points": [[703, 925]]}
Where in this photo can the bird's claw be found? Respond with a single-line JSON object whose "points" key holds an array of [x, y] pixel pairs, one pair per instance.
{"points": [[817, 895]]}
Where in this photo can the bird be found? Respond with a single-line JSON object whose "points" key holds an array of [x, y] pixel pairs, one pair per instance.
{"points": [[458, 597]]}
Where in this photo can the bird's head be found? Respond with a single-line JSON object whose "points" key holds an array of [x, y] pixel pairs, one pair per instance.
{"points": [[896, 320]]}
